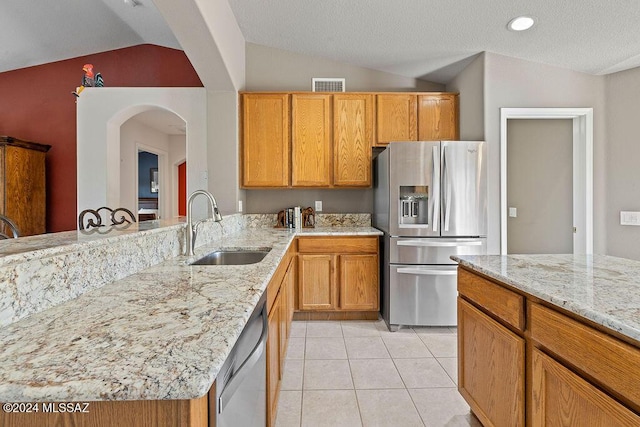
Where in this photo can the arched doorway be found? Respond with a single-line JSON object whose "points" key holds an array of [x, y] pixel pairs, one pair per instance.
{"points": [[152, 143], [100, 114]]}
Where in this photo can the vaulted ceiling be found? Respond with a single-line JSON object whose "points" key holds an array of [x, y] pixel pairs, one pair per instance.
{"points": [[430, 39]]}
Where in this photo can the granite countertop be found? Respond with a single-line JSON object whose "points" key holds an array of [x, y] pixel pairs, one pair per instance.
{"points": [[161, 333], [603, 289]]}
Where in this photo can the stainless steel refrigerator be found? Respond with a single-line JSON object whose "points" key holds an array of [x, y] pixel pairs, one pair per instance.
{"points": [[430, 202]]}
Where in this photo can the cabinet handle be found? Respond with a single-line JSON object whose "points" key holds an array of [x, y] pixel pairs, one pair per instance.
{"points": [[427, 272], [431, 243]]}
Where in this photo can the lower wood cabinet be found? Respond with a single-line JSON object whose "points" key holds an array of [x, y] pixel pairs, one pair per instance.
{"points": [[491, 368], [358, 281], [137, 413], [576, 373], [338, 274], [280, 309], [274, 371], [316, 282], [560, 397]]}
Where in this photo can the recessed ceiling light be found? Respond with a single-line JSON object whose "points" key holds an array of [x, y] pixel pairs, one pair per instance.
{"points": [[521, 23]]}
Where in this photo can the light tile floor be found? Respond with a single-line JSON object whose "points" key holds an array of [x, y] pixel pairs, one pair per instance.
{"points": [[357, 373]]}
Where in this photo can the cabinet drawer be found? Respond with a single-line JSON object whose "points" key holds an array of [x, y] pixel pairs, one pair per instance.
{"points": [[499, 301], [343, 245], [612, 363]]}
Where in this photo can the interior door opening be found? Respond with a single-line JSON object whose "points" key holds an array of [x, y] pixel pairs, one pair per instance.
{"points": [[582, 170], [540, 186]]}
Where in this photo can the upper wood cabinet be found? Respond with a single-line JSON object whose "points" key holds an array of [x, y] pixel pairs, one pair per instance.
{"points": [[265, 140], [352, 139], [311, 149], [324, 140], [397, 118], [417, 117], [438, 117]]}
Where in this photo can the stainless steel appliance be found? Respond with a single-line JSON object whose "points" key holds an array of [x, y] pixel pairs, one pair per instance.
{"points": [[241, 389], [430, 202]]}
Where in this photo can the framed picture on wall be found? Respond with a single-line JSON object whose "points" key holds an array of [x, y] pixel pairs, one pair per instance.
{"points": [[154, 179]]}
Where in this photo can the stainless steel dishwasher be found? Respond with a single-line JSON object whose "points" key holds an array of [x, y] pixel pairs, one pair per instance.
{"points": [[241, 386]]}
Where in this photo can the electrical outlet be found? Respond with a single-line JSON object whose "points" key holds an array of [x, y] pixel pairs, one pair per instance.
{"points": [[239, 205], [318, 205], [629, 218]]}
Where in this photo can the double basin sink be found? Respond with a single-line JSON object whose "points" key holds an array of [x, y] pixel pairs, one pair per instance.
{"points": [[233, 257]]}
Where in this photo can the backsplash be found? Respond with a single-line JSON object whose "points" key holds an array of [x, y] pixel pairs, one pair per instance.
{"points": [[322, 220]]}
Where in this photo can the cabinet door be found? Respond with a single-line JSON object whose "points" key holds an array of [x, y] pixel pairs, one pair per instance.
{"points": [[437, 117], [292, 279], [265, 140], [316, 286], [352, 140], [560, 397], [359, 282], [273, 361], [491, 368], [311, 150], [396, 118], [284, 323]]}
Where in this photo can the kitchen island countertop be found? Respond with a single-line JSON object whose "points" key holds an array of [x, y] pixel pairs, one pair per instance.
{"points": [[603, 289], [161, 333]]}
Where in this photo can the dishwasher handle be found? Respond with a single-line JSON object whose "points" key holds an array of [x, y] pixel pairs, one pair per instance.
{"points": [[240, 375], [427, 271]]}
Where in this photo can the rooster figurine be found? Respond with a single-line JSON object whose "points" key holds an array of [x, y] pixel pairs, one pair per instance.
{"points": [[89, 79]]}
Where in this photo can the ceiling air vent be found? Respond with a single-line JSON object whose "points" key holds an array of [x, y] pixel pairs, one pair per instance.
{"points": [[327, 85]]}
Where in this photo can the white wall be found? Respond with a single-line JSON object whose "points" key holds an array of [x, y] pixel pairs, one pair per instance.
{"points": [[623, 161], [469, 83], [209, 34], [223, 154], [511, 82], [101, 112], [275, 69], [135, 135]]}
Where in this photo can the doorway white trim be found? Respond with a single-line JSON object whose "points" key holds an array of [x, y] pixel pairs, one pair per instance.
{"points": [[582, 170]]}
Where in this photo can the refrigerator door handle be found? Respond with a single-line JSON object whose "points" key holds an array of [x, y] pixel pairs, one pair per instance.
{"points": [[434, 198], [439, 244], [427, 271], [446, 189]]}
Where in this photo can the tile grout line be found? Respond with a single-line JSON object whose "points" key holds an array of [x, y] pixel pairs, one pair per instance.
{"points": [[352, 379]]}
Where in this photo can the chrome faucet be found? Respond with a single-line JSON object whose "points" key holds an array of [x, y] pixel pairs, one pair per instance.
{"points": [[192, 229]]}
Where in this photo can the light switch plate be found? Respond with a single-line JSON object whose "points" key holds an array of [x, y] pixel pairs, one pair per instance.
{"points": [[629, 218], [318, 205], [513, 212]]}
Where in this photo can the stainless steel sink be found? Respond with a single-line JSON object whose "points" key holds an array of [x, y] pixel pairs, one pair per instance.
{"points": [[233, 257]]}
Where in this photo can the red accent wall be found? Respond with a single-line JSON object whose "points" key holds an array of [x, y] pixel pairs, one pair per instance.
{"points": [[36, 104], [182, 189]]}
